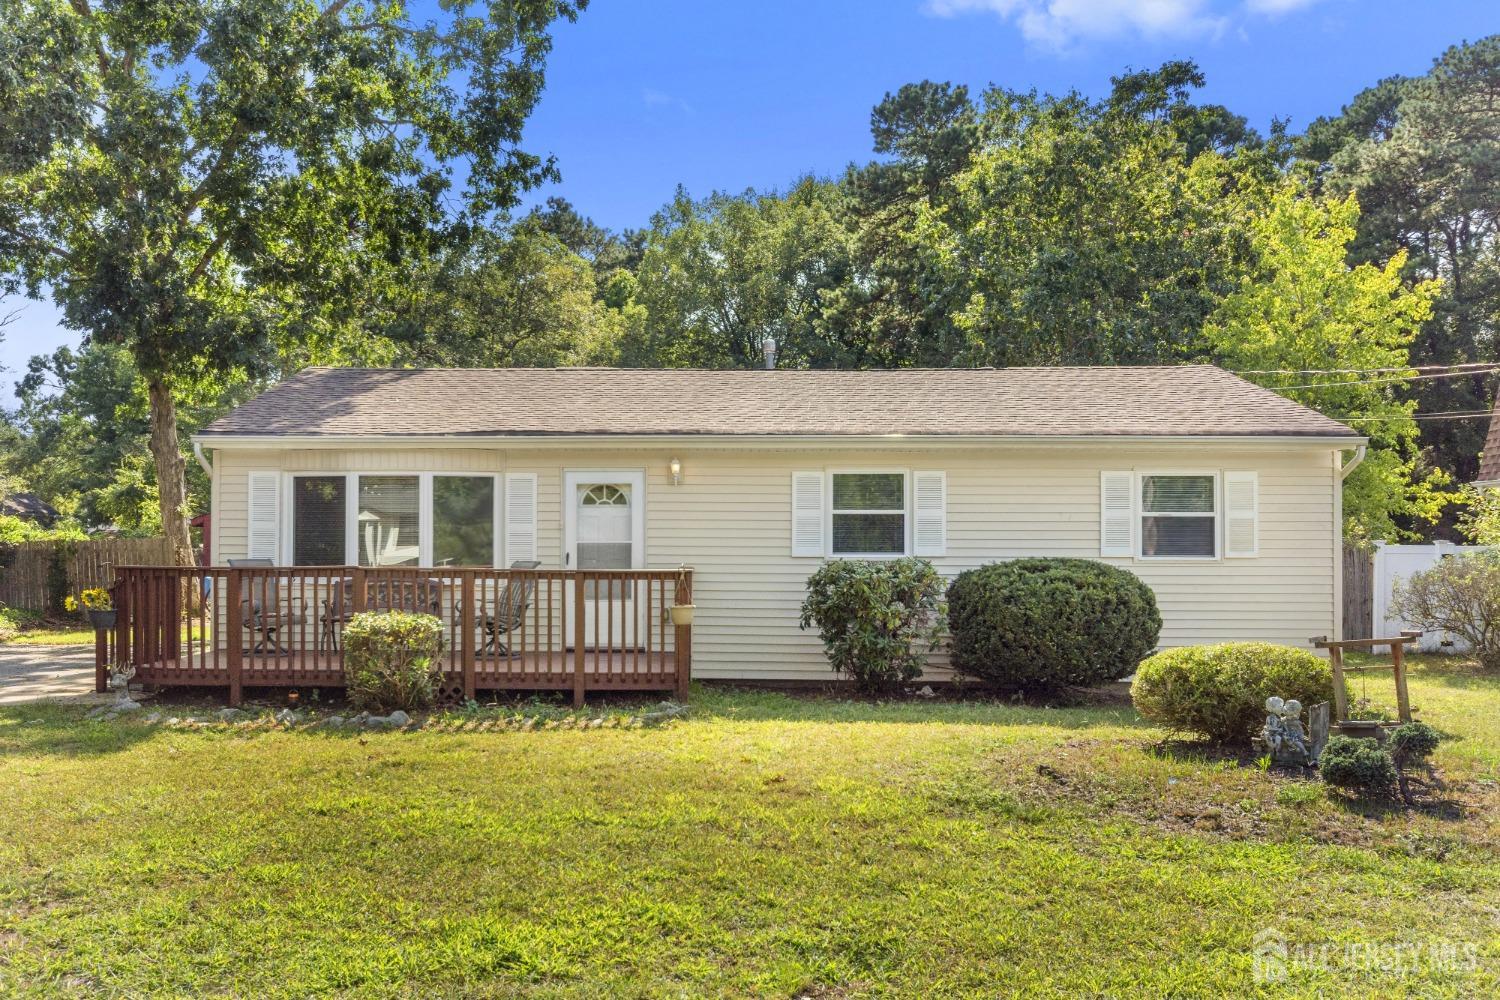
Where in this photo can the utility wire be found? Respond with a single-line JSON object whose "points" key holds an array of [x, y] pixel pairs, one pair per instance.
{"points": [[1364, 371], [1452, 415], [1384, 381]]}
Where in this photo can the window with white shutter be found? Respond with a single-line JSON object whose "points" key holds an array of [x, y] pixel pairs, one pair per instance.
{"points": [[929, 513], [264, 528], [1241, 514], [807, 514], [1116, 513], [520, 517]]}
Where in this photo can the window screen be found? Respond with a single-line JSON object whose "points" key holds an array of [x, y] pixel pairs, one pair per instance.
{"points": [[869, 513], [1178, 517], [463, 520], [318, 514]]}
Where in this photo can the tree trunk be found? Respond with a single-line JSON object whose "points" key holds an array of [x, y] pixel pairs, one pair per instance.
{"points": [[171, 471]]}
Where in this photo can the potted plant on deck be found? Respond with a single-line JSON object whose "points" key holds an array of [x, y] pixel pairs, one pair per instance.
{"points": [[97, 603]]}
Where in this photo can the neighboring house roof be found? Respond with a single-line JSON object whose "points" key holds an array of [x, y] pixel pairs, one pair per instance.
{"points": [[29, 507], [1489, 459], [1184, 400]]}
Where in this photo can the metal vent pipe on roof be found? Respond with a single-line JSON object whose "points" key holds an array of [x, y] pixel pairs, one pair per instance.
{"points": [[768, 347]]}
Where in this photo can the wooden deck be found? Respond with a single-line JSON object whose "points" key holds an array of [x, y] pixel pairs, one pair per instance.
{"points": [[532, 630]]}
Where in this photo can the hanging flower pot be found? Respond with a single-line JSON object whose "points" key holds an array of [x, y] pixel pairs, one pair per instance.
{"points": [[103, 619], [682, 614]]}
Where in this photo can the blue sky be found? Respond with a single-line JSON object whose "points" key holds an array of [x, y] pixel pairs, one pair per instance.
{"points": [[730, 94]]}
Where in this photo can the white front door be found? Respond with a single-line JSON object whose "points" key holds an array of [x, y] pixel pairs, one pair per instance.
{"points": [[604, 528]]}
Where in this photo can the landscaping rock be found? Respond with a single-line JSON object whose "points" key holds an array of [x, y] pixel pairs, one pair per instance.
{"points": [[286, 717], [125, 704], [230, 715], [334, 721], [398, 718]]}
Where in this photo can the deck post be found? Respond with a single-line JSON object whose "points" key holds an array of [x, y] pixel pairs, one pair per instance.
{"points": [[123, 611], [1340, 694], [101, 659], [357, 584], [682, 639], [234, 625], [578, 639], [466, 633]]}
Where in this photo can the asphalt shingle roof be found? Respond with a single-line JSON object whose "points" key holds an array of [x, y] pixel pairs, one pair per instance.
{"points": [[1489, 459], [1192, 400]]}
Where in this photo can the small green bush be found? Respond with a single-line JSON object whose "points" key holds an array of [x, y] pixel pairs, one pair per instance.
{"points": [[1360, 765], [877, 618], [1219, 692], [1413, 743], [1044, 624], [14, 621], [391, 660]]}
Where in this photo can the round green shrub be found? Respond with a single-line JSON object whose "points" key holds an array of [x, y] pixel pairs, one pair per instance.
{"points": [[391, 660], [877, 618], [1219, 692], [1412, 743], [1043, 624], [1359, 765]]}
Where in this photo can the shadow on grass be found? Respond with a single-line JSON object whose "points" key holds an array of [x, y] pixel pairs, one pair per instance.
{"points": [[59, 728], [840, 706]]}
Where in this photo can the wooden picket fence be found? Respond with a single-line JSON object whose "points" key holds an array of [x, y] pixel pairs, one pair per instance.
{"points": [[27, 574], [1359, 592]]}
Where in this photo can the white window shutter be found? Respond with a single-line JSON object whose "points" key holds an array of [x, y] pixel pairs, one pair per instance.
{"points": [[929, 513], [1241, 514], [1116, 513], [262, 540], [520, 516], [807, 514]]}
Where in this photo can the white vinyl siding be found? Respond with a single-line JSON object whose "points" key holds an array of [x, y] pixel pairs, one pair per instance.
{"points": [[732, 520]]}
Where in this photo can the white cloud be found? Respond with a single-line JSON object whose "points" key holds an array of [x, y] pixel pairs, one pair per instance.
{"points": [[661, 99], [1274, 7], [1058, 24]]}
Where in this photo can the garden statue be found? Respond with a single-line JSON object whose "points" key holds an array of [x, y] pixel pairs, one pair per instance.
{"points": [[119, 679], [1286, 739]]}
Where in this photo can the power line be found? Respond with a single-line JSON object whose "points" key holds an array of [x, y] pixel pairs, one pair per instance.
{"points": [[1448, 415], [1384, 381], [1363, 371]]}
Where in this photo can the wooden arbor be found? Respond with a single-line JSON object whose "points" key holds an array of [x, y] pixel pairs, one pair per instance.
{"points": [[1397, 665]]}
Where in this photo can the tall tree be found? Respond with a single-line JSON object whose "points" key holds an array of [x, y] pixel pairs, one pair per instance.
{"points": [[1302, 309], [189, 178], [1423, 156]]}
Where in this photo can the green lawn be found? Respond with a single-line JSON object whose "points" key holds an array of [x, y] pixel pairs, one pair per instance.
{"points": [[766, 846]]}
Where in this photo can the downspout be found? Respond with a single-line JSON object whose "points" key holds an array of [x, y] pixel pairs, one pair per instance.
{"points": [[208, 470], [1348, 467]]}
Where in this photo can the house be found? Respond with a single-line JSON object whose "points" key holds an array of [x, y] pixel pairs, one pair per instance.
{"points": [[1222, 496], [1489, 459], [29, 507]]}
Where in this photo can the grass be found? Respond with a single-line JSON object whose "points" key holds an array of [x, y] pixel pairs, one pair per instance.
{"points": [[764, 846]]}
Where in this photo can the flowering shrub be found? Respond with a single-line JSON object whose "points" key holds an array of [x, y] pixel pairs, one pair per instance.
{"points": [[92, 599]]}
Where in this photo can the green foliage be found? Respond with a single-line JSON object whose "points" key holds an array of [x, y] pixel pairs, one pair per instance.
{"points": [[391, 660], [1419, 154], [1360, 765], [1461, 595], [1479, 515], [1219, 692], [15, 529], [1302, 307], [197, 182], [1412, 743], [1044, 624], [877, 618], [14, 621]]}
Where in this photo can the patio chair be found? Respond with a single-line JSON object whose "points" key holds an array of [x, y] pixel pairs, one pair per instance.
{"points": [[381, 595], [263, 612], [510, 610]]}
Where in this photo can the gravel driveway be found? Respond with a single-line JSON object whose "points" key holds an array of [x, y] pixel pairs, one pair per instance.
{"points": [[31, 673]]}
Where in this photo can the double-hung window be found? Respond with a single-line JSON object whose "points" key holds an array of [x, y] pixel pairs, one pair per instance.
{"points": [[1179, 516], [868, 513]]}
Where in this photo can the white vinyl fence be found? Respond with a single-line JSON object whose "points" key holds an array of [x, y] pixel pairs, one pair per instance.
{"points": [[1394, 563]]}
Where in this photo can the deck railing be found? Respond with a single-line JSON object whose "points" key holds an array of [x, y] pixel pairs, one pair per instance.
{"points": [[507, 629]]}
